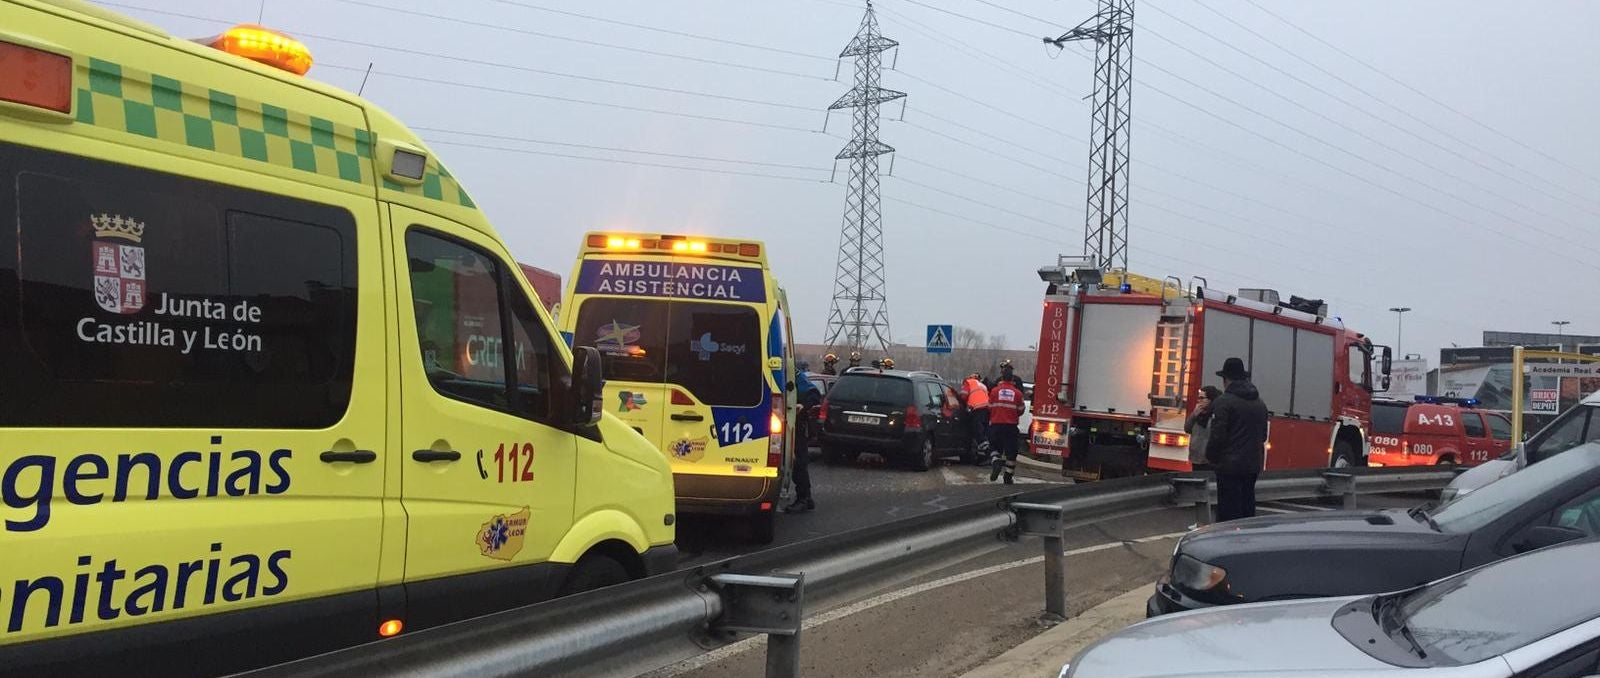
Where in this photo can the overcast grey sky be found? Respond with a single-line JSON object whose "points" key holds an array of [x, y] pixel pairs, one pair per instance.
{"points": [[1462, 180]]}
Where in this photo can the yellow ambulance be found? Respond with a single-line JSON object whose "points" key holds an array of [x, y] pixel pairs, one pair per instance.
{"points": [[270, 384], [696, 342]]}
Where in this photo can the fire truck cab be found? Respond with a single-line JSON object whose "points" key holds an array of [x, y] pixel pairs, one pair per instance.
{"points": [[1122, 358]]}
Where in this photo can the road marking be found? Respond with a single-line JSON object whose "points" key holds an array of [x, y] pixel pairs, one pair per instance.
{"points": [[954, 477], [836, 614]]}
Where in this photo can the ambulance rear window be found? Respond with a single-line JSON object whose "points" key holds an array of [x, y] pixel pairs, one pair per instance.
{"points": [[714, 351], [133, 298]]}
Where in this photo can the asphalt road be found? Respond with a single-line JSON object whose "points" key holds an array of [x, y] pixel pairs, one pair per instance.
{"points": [[860, 494], [947, 622]]}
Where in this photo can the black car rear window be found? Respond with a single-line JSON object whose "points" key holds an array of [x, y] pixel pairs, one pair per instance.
{"points": [[871, 389], [1389, 419]]}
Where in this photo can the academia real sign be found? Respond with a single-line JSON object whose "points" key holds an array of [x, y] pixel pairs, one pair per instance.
{"points": [[1564, 370]]}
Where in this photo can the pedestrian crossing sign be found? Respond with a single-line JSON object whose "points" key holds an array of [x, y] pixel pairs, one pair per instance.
{"points": [[939, 338]]}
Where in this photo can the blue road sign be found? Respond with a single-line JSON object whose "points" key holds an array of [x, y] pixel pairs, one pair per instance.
{"points": [[940, 338]]}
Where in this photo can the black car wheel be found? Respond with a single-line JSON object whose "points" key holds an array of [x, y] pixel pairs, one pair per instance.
{"points": [[833, 454], [922, 455]]}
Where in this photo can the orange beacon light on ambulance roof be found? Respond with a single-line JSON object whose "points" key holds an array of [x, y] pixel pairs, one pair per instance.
{"points": [[264, 45]]}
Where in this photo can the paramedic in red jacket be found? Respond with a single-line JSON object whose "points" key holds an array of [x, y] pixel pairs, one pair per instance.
{"points": [[1005, 410]]}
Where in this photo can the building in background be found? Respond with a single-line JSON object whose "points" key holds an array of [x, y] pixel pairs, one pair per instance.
{"points": [[1484, 372]]}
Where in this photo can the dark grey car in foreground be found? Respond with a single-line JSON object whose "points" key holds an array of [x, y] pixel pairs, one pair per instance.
{"points": [[1340, 553]]}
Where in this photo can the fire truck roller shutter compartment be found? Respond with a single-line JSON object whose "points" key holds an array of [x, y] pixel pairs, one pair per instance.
{"points": [[1114, 352], [1313, 375], [1271, 364]]}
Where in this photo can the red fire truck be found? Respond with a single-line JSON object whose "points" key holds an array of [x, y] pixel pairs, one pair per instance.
{"points": [[547, 284], [1122, 358]]}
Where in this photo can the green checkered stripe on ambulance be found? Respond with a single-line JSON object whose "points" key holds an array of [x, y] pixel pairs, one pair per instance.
{"points": [[437, 184], [132, 101]]}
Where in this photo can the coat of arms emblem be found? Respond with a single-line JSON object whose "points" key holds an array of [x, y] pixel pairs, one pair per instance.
{"points": [[119, 272]]}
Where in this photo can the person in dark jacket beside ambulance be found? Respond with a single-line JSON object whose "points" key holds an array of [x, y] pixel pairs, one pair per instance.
{"points": [[1237, 442]]}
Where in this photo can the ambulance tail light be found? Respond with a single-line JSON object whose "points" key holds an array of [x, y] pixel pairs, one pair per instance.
{"points": [[391, 628], [264, 46], [822, 412], [775, 432], [35, 77]]}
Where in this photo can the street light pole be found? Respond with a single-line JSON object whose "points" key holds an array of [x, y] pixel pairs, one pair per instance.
{"points": [[1560, 325], [1399, 328]]}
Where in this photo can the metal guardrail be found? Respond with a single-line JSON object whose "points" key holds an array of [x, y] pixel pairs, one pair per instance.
{"points": [[640, 626]]}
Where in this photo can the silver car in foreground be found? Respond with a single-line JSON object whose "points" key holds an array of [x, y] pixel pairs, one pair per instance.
{"points": [[1536, 615]]}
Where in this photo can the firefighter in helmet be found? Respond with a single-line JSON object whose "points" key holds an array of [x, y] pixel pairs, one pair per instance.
{"points": [[855, 359], [1007, 371], [887, 363], [828, 362]]}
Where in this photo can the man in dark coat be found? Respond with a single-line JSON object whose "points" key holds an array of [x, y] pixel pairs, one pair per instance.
{"points": [[1237, 442]]}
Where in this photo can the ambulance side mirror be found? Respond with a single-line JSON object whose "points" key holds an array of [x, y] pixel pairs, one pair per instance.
{"points": [[588, 385]]}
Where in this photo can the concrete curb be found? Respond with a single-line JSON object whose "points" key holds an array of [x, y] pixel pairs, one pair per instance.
{"points": [[1043, 655]]}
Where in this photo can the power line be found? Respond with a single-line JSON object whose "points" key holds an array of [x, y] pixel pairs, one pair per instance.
{"points": [[1422, 94], [1386, 103], [990, 151], [978, 102], [603, 104], [606, 81], [975, 20], [1026, 149], [975, 201], [970, 220], [1253, 132], [620, 161], [656, 29], [581, 41], [962, 45], [504, 137], [1320, 161], [1024, 15], [1336, 122], [903, 158]]}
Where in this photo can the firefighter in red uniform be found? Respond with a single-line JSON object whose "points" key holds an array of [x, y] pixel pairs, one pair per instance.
{"points": [[1005, 411]]}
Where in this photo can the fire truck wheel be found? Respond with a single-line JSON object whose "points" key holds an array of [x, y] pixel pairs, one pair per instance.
{"points": [[1344, 455]]}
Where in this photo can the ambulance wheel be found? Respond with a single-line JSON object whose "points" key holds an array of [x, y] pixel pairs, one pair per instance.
{"points": [[922, 456], [592, 572], [1345, 456], [763, 527]]}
